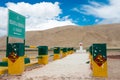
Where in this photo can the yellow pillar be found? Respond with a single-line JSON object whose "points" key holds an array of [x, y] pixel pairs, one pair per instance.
{"points": [[68, 52], [99, 60], [17, 67], [43, 55], [61, 52], [72, 52], [64, 54], [43, 59], [56, 56], [57, 52], [15, 54], [99, 71]]}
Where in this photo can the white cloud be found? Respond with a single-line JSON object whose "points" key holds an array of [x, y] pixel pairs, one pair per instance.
{"points": [[45, 10], [39, 16], [3, 21], [110, 13], [51, 24]]}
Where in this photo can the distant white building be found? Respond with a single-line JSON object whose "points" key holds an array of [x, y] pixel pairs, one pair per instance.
{"points": [[81, 50]]}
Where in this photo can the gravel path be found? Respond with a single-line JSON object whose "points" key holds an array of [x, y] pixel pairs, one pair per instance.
{"points": [[71, 67]]}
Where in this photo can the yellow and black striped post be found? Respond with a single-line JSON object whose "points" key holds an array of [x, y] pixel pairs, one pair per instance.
{"points": [[56, 53], [99, 60], [42, 54]]}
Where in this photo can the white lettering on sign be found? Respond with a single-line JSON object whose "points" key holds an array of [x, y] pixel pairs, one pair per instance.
{"points": [[16, 23], [18, 30]]}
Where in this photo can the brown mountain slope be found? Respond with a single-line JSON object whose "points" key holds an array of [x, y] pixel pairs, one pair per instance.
{"points": [[72, 35]]}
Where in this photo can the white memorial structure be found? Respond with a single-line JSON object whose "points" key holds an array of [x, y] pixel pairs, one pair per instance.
{"points": [[81, 50]]}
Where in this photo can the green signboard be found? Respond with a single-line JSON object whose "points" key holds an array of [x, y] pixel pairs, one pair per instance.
{"points": [[16, 25]]}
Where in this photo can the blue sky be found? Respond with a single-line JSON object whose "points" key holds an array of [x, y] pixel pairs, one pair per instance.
{"points": [[67, 6], [45, 14]]}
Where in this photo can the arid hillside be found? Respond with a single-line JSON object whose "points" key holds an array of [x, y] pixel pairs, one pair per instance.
{"points": [[71, 36]]}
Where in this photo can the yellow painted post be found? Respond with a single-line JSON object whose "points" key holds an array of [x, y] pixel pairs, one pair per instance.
{"points": [[56, 53], [100, 71], [64, 54], [72, 52], [17, 67], [61, 51], [43, 55], [43, 59], [56, 56], [69, 51], [99, 62], [15, 54]]}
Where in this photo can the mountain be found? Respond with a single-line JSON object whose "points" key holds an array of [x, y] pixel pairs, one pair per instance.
{"points": [[71, 36]]}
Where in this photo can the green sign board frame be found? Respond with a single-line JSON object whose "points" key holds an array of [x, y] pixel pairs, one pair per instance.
{"points": [[16, 25]]}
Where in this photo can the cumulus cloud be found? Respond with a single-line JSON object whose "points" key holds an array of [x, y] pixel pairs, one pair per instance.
{"points": [[110, 13], [51, 24], [3, 21], [39, 16]]}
